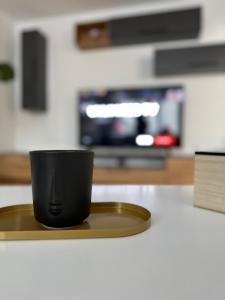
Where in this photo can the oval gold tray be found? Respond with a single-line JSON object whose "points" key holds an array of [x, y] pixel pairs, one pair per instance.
{"points": [[106, 220]]}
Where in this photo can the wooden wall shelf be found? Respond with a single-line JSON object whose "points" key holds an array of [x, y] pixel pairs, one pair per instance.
{"points": [[93, 35], [140, 29], [15, 169]]}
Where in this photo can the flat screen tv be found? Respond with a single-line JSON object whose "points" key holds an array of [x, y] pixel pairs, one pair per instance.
{"points": [[140, 117]]}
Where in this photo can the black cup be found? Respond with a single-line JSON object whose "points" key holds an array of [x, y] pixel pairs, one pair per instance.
{"points": [[61, 186]]}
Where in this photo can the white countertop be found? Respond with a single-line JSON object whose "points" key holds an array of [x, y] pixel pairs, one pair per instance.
{"points": [[181, 256]]}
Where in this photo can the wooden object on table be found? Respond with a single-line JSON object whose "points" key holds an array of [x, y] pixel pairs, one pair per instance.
{"points": [[15, 169], [93, 35], [209, 181]]}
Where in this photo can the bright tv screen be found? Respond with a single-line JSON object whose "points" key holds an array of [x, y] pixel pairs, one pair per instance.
{"points": [[143, 117]]}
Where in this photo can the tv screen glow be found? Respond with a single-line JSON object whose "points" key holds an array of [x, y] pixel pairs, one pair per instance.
{"points": [[144, 117]]}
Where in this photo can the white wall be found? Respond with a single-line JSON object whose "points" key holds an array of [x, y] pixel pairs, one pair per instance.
{"points": [[6, 88], [71, 69]]}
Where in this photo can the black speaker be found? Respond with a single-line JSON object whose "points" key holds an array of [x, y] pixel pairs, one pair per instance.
{"points": [[34, 46]]}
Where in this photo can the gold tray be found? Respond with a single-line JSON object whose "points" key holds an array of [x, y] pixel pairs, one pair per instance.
{"points": [[106, 220]]}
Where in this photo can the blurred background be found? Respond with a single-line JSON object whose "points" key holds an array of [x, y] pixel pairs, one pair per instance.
{"points": [[140, 79]]}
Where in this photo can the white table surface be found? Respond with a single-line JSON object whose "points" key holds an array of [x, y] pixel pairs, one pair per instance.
{"points": [[181, 256]]}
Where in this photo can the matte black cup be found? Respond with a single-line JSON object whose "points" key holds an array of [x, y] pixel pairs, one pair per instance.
{"points": [[61, 186]]}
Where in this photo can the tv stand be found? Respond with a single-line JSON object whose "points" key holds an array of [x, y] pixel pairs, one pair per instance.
{"points": [[129, 162], [15, 169], [175, 170], [121, 161]]}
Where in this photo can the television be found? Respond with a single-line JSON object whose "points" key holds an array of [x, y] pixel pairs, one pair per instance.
{"points": [[148, 117]]}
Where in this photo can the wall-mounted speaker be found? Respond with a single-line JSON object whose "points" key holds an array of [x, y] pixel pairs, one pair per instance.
{"points": [[34, 71]]}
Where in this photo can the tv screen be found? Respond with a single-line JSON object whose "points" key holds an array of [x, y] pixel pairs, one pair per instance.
{"points": [[144, 117]]}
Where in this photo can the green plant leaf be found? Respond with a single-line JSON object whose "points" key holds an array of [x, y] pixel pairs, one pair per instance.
{"points": [[6, 72]]}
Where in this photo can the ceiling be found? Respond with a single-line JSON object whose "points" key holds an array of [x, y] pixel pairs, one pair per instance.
{"points": [[28, 9]]}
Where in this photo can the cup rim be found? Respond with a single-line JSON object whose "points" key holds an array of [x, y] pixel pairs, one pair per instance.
{"points": [[60, 151]]}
